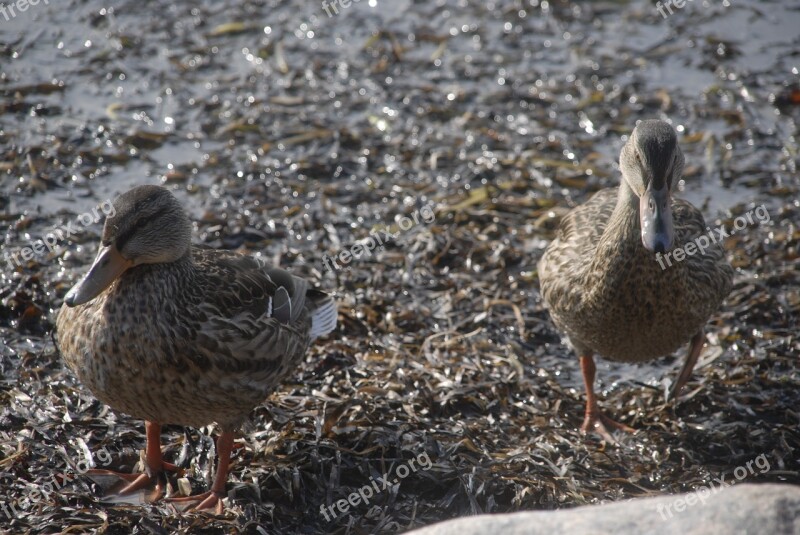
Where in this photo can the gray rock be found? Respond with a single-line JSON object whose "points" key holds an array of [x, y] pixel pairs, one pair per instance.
{"points": [[744, 508]]}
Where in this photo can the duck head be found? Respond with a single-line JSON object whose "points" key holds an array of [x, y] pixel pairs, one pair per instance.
{"points": [[651, 163], [149, 226]]}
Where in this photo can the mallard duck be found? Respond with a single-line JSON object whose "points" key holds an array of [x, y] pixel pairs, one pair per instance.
{"points": [[604, 277], [178, 334]]}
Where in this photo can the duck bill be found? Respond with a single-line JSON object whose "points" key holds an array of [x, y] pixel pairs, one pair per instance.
{"points": [[655, 212], [108, 265]]}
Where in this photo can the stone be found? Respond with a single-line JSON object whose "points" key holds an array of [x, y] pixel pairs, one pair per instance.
{"points": [[741, 508]]}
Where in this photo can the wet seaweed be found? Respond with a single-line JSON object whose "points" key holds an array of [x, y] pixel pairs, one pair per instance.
{"points": [[295, 136]]}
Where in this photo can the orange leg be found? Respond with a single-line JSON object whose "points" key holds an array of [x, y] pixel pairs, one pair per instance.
{"points": [[595, 420], [212, 499], [695, 348], [128, 484]]}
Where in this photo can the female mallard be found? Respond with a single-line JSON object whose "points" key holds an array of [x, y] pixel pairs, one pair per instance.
{"points": [[607, 290], [173, 333]]}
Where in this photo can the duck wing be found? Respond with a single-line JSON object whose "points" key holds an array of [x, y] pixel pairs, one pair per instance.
{"points": [[572, 250], [248, 316], [711, 274]]}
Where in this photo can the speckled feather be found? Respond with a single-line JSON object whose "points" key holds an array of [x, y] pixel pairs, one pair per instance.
{"points": [[611, 296], [189, 342]]}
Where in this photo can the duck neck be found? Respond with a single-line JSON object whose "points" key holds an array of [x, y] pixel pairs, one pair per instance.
{"points": [[621, 239], [170, 276], [624, 221]]}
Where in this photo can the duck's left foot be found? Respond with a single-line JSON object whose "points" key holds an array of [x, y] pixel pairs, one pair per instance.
{"points": [[695, 348], [599, 423], [213, 498], [207, 501]]}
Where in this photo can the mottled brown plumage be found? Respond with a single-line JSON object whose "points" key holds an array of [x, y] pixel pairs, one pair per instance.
{"points": [[183, 334], [608, 292]]}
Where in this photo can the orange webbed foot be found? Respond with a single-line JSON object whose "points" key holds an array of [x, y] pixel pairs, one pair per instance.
{"points": [[138, 488], [599, 423], [128, 488], [207, 501]]}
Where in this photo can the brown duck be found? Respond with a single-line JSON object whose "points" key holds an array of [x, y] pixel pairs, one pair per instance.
{"points": [[602, 280], [173, 333]]}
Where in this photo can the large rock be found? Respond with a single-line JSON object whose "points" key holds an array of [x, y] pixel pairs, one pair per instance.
{"points": [[742, 508]]}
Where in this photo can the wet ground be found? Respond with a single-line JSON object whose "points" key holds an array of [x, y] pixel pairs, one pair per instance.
{"points": [[291, 134]]}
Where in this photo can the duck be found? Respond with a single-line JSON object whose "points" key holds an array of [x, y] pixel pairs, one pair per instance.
{"points": [[612, 280], [174, 333]]}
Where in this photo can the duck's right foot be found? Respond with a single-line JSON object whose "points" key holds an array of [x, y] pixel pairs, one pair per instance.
{"points": [[138, 488], [599, 423], [128, 488]]}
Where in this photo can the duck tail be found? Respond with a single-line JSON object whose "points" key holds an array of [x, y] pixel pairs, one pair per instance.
{"points": [[323, 313]]}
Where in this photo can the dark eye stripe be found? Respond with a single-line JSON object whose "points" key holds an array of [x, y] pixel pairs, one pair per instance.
{"points": [[125, 237]]}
